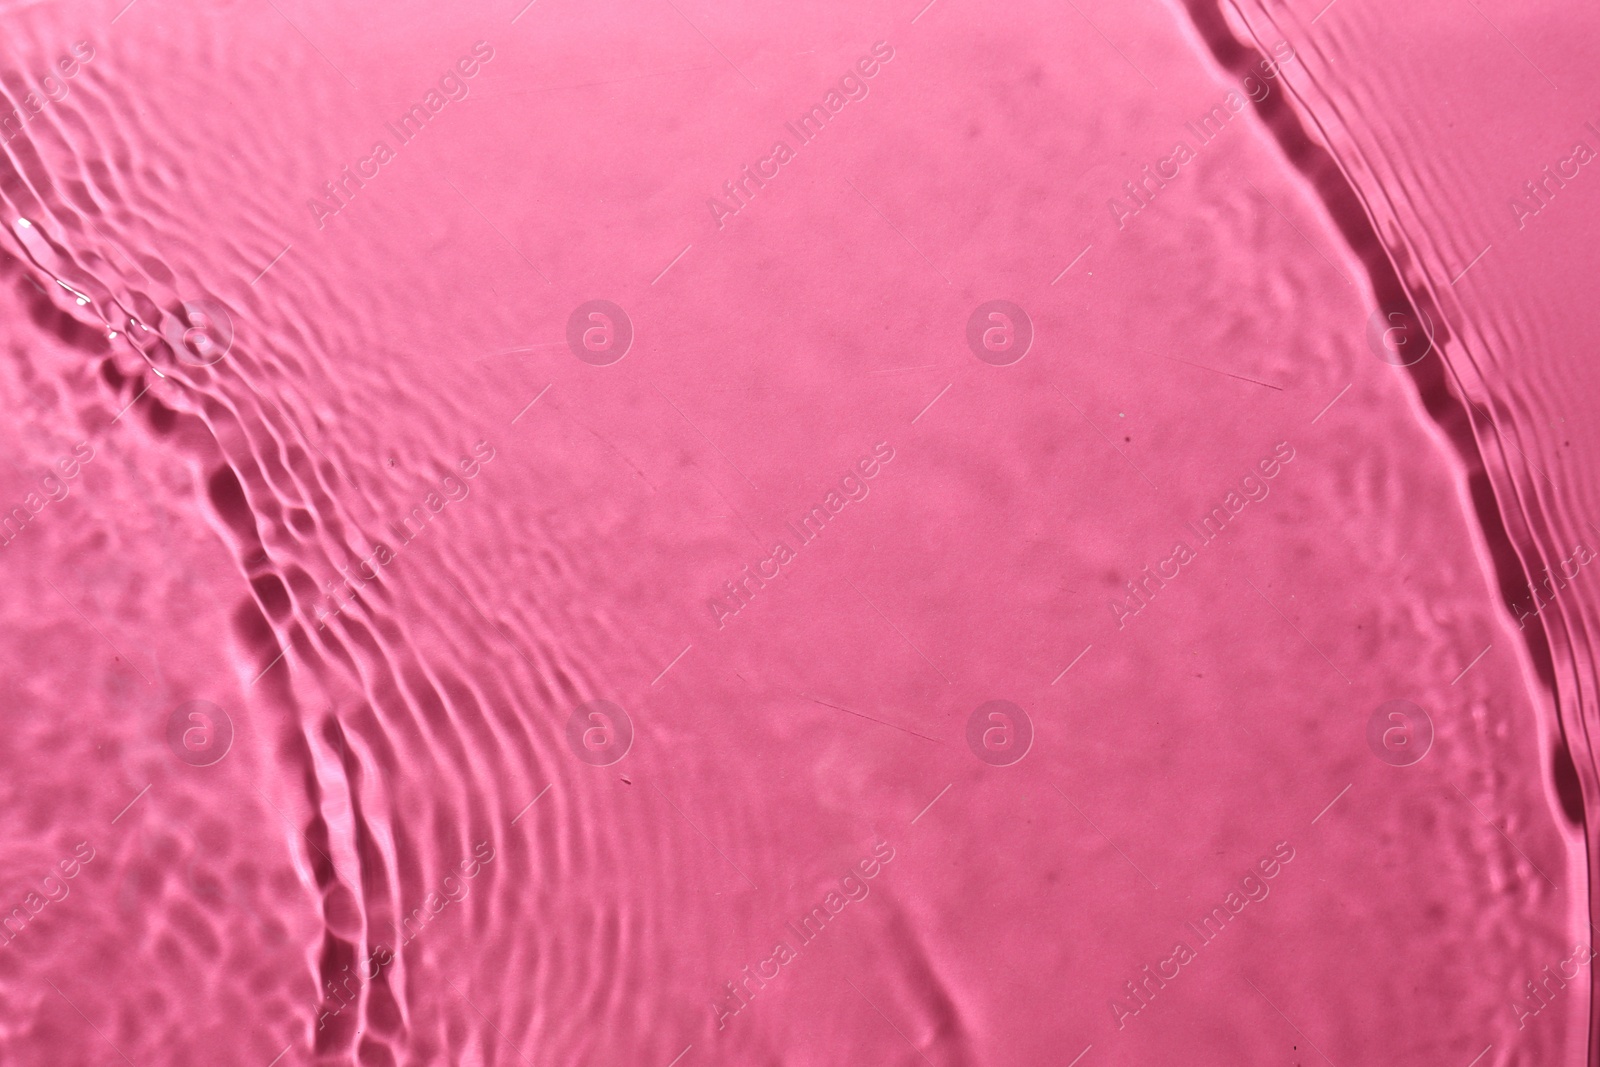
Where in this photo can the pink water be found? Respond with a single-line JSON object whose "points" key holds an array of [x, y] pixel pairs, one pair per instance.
{"points": [[911, 533]]}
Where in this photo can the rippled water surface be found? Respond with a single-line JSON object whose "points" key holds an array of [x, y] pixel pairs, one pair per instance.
{"points": [[687, 533]]}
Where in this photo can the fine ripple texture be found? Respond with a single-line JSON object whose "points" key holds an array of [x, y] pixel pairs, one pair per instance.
{"points": [[400, 661]]}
